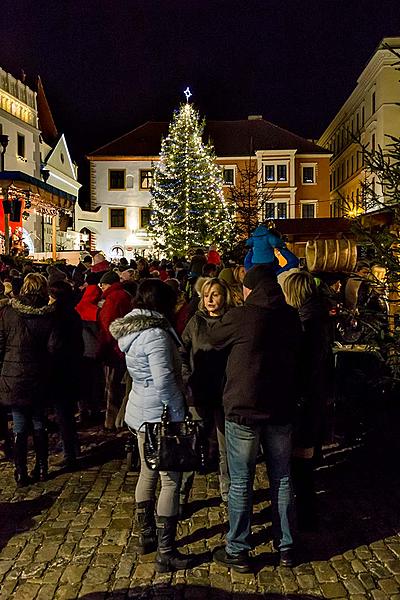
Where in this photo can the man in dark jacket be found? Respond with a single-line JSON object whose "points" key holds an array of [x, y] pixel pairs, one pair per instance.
{"points": [[259, 401]]}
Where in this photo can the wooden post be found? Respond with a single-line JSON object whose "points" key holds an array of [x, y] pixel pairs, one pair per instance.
{"points": [[54, 238]]}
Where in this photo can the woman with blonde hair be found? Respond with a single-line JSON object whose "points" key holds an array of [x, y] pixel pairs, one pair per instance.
{"points": [[28, 342], [204, 372], [301, 292]]}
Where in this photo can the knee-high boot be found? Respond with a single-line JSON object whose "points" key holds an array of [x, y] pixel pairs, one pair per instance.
{"points": [[20, 459], [40, 441], [146, 522], [168, 558]]}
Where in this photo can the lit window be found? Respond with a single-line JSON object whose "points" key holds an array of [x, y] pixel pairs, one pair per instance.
{"points": [[309, 174], [308, 210], [117, 218], [116, 179], [282, 172], [269, 172], [145, 215], [276, 210], [228, 175], [146, 179]]}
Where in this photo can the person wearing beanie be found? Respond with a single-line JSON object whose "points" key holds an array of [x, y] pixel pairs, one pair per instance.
{"points": [[54, 274], [263, 337], [116, 303], [79, 272]]}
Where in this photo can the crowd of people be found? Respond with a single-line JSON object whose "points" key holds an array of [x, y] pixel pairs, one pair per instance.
{"points": [[247, 351]]}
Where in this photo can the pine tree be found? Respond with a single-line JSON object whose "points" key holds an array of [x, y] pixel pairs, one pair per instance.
{"points": [[188, 205]]}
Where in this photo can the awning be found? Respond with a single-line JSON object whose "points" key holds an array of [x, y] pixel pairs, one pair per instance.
{"points": [[45, 193]]}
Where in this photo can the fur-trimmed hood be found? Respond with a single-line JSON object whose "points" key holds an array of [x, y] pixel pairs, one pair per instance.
{"points": [[27, 310], [136, 321]]}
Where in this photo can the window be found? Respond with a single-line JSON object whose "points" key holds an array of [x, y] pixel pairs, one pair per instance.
{"points": [[281, 172], [373, 142], [373, 103], [308, 210], [269, 173], [362, 116], [352, 164], [276, 210], [228, 174], [117, 218], [116, 179], [21, 145], [145, 215], [308, 174], [275, 172], [146, 179], [358, 122]]}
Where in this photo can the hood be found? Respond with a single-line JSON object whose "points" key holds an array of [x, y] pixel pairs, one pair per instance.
{"points": [[260, 231], [113, 288], [128, 328], [266, 294], [25, 309]]}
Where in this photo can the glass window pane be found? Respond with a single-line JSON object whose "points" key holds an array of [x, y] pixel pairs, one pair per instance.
{"points": [[282, 170], [308, 174], [308, 211], [270, 210], [282, 210], [269, 172], [145, 214], [116, 179], [117, 218], [146, 179], [228, 175]]}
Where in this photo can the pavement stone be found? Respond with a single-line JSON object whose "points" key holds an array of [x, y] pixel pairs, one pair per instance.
{"points": [[73, 536]]}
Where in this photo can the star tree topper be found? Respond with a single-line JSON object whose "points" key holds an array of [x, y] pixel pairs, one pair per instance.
{"points": [[187, 93]]}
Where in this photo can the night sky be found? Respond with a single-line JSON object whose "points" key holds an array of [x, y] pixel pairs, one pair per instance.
{"points": [[109, 65]]}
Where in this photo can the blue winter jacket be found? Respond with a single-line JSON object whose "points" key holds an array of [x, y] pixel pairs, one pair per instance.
{"points": [[154, 365], [263, 242]]}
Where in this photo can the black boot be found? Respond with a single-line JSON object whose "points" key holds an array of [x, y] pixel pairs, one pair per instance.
{"points": [[146, 522], [20, 458], [40, 441], [168, 558]]}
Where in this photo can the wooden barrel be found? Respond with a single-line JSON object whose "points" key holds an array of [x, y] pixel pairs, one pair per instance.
{"points": [[331, 255]]}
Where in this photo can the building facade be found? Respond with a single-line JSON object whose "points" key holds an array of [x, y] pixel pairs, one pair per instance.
{"points": [[371, 113], [36, 165], [296, 171]]}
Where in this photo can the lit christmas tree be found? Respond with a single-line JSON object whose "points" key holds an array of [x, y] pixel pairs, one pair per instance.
{"points": [[188, 206]]}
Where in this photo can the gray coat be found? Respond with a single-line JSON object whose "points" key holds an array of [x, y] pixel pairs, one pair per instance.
{"points": [[153, 363]]}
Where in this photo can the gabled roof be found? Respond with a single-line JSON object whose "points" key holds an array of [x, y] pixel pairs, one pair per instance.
{"points": [[229, 138], [46, 121]]}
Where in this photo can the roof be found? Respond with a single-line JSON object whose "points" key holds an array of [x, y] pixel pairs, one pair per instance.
{"points": [[46, 121], [229, 138]]}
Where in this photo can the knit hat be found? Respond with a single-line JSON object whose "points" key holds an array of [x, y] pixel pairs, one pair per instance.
{"points": [[110, 277], [55, 274], [227, 276], [258, 274]]}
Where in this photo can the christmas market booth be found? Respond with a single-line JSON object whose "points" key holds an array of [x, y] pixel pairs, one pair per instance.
{"points": [[26, 199]]}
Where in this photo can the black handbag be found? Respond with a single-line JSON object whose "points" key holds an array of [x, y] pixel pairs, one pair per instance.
{"points": [[179, 446]]}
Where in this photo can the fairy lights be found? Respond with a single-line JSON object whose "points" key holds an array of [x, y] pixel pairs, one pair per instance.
{"points": [[188, 205]]}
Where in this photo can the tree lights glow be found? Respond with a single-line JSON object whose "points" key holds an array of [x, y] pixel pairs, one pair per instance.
{"points": [[188, 205]]}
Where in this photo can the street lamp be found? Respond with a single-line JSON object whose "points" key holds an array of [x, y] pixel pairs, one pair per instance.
{"points": [[3, 144]]}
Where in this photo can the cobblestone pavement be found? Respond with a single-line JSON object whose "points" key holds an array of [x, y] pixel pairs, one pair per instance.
{"points": [[73, 536]]}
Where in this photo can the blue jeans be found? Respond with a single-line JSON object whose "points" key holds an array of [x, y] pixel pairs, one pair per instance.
{"points": [[26, 416], [242, 443]]}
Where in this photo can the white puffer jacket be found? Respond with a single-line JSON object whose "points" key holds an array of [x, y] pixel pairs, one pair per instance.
{"points": [[153, 362]]}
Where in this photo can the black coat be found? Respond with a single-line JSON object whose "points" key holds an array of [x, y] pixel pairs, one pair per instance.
{"points": [[203, 366], [28, 344], [264, 338]]}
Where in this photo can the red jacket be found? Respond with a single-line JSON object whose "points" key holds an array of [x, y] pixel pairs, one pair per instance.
{"points": [[214, 258], [87, 307], [117, 303]]}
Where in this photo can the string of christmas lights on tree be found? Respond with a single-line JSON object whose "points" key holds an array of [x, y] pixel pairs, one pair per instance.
{"points": [[188, 204]]}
